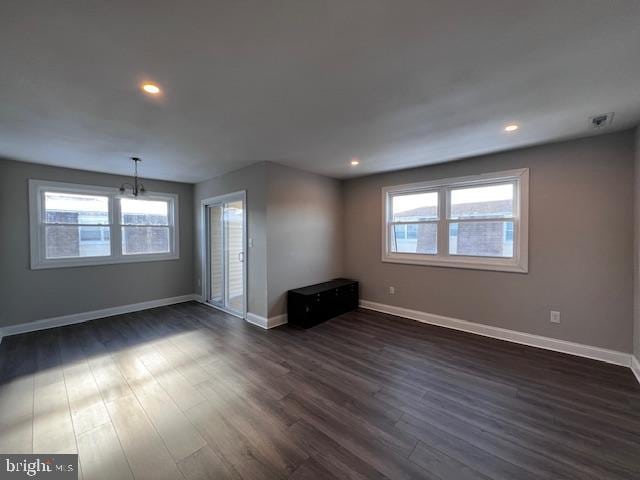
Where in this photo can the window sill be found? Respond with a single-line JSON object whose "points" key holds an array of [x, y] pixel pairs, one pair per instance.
{"points": [[469, 263], [90, 262]]}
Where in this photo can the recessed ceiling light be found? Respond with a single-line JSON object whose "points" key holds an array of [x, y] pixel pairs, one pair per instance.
{"points": [[511, 128], [355, 161], [151, 88]]}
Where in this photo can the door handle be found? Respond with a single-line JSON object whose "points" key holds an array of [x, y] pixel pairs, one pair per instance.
{"points": [[241, 257]]}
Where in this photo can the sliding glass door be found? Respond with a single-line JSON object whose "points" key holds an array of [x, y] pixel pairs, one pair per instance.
{"points": [[225, 259]]}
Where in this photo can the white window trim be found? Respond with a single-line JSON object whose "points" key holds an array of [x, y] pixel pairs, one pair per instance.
{"points": [[519, 263], [37, 246]]}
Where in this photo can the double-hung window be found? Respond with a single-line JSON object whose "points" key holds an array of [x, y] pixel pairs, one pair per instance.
{"points": [[75, 225], [478, 222]]}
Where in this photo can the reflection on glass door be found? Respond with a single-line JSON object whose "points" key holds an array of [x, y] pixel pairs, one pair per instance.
{"points": [[234, 282], [226, 256]]}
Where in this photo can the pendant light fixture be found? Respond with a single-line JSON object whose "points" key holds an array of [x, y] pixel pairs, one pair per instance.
{"points": [[136, 188]]}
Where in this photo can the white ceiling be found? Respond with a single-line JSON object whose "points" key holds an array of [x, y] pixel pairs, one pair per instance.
{"points": [[307, 83]]}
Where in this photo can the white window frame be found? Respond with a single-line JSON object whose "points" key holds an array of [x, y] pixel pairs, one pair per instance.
{"points": [[37, 225], [519, 263]]}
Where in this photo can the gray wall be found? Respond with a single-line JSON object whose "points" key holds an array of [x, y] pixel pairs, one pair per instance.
{"points": [[304, 231], [253, 180], [580, 246], [27, 295], [636, 251]]}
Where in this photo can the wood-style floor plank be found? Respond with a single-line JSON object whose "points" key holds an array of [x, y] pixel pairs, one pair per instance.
{"points": [[205, 464], [265, 433], [52, 425], [16, 415], [87, 407], [233, 447], [189, 392], [17, 367], [149, 460], [179, 434], [101, 455], [181, 391]]}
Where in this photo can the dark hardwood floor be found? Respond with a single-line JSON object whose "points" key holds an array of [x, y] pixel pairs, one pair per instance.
{"points": [[188, 392]]}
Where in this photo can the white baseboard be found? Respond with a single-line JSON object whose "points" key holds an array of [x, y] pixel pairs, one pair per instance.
{"points": [[277, 320], [266, 323], [91, 315], [548, 343], [257, 320], [635, 367]]}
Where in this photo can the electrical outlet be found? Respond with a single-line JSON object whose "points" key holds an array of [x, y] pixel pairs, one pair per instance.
{"points": [[198, 281], [251, 243], [392, 290], [555, 317]]}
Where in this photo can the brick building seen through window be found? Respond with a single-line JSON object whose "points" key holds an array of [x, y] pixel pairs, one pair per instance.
{"points": [[91, 241], [494, 238]]}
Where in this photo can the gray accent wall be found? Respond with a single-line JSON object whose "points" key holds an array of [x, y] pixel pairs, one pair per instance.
{"points": [[27, 295], [252, 180], [580, 246], [304, 231]]}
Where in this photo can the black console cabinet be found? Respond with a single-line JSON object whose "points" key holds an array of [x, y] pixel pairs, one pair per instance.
{"points": [[308, 306]]}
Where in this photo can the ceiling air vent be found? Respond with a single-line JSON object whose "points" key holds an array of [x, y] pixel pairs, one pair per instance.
{"points": [[601, 121]]}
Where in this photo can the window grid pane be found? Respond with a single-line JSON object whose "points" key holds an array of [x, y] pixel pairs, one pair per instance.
{"points": [[483, 201], [144, 212], [484, 238], [414, 207], [75, 225], [419, 238], [66, 241], [72, 208], [140, 240]]}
